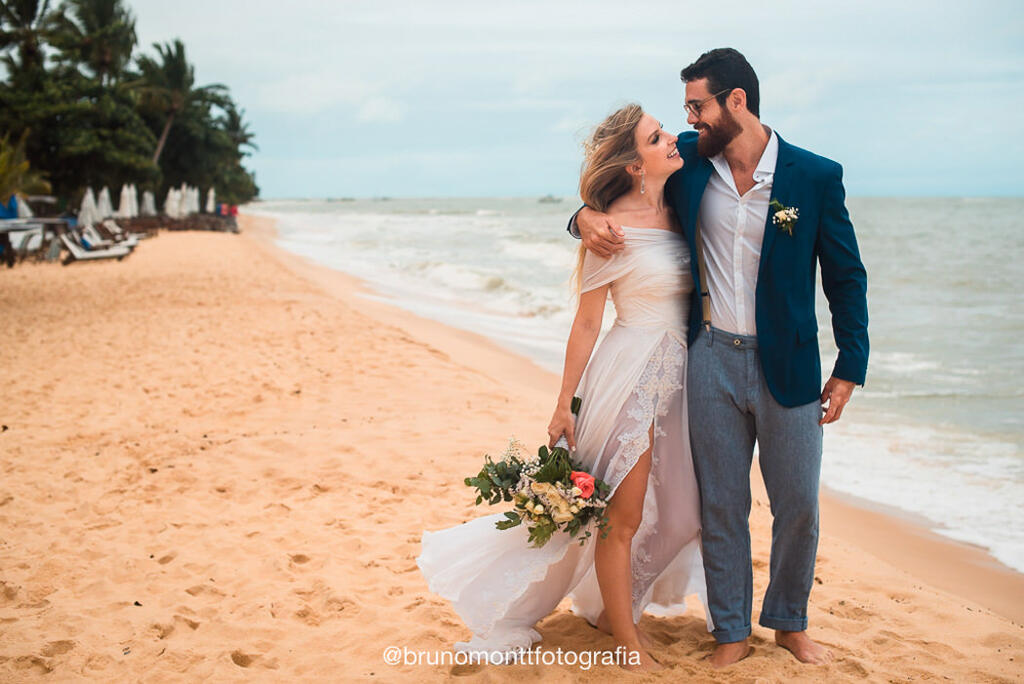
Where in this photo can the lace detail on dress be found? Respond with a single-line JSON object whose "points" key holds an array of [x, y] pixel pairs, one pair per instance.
{"points": [[662, 376], [660, 379]]}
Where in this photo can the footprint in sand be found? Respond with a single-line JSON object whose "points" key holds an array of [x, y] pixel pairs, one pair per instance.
{"points": [[34, 664], [57, 648], [191, 624], [162, 631], [204, 589], [8, 591], [844, 609], [242, 659]]}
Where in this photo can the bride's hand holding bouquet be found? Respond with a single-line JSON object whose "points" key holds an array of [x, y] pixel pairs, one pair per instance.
{"points": [[549, 491]]}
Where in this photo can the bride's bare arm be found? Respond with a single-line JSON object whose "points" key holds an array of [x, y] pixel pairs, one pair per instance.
{"points": [[585, 329]]}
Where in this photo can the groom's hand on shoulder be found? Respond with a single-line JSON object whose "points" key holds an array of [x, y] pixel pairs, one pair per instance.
{"points": [[836, 394], [601, 234]]}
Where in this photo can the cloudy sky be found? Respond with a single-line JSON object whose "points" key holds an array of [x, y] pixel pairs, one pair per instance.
{"points": [[450, 98]]}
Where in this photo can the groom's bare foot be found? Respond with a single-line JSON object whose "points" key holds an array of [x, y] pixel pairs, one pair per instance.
{"points": [[725, 655], [801, 646], [602, 625]]}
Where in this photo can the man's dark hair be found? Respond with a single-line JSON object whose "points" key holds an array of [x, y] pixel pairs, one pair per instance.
{"points": [[726, 68]]}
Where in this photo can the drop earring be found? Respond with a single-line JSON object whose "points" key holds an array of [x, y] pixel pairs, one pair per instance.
{"points": [[643, 177]]}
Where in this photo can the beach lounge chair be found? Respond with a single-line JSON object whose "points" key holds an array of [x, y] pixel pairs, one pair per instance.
{"points": [[117, 237], [120, 234], [90, 238], [76, 252], [30, 241]]}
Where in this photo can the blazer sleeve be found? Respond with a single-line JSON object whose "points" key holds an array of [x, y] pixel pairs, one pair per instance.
{"points": [[573, 229], [844, 281]]}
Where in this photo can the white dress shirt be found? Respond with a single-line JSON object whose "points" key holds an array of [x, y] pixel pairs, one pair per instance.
{"points": [[733, 227]]}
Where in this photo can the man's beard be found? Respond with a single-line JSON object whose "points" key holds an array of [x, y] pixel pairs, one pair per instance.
{"points": [[716, 138]]}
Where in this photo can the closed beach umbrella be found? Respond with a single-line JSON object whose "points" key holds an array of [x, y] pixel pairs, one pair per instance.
{"points": [[171, 203], [24, 211], [133, 200], [211, 201], [87, 214], [124, 205], [148, 204], [103, 206]]}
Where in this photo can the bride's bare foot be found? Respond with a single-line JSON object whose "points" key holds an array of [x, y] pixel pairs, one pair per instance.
{"points": [[725, 655], [602, 625], [636, 659], [801, 646]]}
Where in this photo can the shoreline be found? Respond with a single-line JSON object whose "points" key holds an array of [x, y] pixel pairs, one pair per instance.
{"points": [[891, 534], [963, 569], [220, 460]]}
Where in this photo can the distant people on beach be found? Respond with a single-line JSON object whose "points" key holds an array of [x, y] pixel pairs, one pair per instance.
{"points": [[230, 211]]}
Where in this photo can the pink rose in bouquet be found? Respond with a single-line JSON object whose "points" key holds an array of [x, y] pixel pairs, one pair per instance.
{"points": [[584, 481]]}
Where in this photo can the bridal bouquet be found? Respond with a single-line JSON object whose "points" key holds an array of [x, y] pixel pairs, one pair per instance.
{"points": [[549, 491]]}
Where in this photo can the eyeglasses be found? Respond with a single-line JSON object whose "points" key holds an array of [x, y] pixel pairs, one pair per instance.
{"points": [[694, 107]]}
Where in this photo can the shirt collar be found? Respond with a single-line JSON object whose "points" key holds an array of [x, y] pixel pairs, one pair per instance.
{"points": [[765, 166]]}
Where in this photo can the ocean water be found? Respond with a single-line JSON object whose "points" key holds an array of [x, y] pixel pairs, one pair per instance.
{"points": [[938, 428]]}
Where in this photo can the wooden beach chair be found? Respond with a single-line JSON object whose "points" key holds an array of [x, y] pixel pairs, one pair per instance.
{"points": [[122, 235], [116, 234]]}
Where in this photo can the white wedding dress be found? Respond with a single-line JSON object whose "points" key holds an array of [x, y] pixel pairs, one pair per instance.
{"points": [[498, 584]]}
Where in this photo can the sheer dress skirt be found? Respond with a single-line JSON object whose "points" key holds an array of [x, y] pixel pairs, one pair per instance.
{"points": [[501, 587]]}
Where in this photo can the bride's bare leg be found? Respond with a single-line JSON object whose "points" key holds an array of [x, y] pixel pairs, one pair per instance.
{"points": [[605, 626], [612, 561]]}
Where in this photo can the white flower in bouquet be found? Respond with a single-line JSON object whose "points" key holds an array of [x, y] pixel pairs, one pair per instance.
{"points": [[557, 504]]}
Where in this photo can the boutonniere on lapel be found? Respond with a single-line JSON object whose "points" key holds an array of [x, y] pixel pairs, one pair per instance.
{"points": [[784, 217]]}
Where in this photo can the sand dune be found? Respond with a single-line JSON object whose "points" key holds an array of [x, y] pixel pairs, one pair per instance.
{"points": [[218, 461]]}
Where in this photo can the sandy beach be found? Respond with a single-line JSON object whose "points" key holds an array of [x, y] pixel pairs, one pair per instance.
{"points": [[218, 459]]}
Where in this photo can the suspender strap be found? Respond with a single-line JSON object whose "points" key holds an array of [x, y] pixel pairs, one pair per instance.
{"points": [[705, 294]]}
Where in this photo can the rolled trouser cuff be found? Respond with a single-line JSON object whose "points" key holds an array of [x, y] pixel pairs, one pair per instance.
{"points": [[784, 624], [728, 636]]}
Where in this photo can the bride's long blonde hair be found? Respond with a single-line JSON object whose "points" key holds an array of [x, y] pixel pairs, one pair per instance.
{"points": [[608, 151]]}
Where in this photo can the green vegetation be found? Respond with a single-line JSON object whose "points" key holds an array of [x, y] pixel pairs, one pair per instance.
{"points": [[81, 106]]}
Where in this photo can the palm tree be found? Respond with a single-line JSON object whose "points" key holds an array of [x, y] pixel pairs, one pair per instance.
{"points": [[237, 128], [16, 176], [168, 85], [99, 34], [24, 25]]}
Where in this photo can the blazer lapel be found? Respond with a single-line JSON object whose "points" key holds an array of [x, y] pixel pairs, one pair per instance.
{"points": [[780, 191]]}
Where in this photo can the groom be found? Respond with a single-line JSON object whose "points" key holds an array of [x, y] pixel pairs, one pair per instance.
{"points": [[754, 368]]}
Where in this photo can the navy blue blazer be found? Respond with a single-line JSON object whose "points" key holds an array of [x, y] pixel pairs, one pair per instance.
{"points": [[786, 278]]}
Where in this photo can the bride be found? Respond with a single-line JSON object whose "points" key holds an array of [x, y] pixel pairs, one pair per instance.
{"points": [[631, 431]]}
